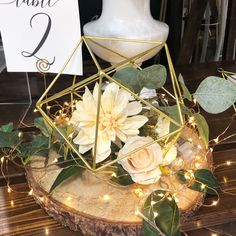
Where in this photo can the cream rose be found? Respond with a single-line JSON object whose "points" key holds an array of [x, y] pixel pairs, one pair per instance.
{"points": [[143, 165]]}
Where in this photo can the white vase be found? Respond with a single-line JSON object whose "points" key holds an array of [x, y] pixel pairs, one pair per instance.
{"points": [[128, 19]]}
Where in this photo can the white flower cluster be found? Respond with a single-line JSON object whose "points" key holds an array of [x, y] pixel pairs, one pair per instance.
{"points": [[119, 120]]}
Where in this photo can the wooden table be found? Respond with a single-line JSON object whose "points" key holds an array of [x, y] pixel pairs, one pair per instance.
{"points": [[20, 215]]}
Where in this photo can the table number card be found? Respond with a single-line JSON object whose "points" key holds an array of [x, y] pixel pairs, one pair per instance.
{"points": [[40, 33]]}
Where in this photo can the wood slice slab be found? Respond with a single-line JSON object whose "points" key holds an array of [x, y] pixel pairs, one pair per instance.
{"points": [[92, 204]]}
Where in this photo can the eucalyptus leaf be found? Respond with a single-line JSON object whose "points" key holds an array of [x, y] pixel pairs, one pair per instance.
{"points": [[43, 126], [122, 176], [168, 217], [186, 93], [9, 139], [152, 77], [215, 94], [128, 77], [65, 174], [202, 127], [202, 177], [7, 128]]}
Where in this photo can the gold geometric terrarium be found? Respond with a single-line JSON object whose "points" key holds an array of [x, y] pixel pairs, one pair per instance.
{"points": [[94, 88]]}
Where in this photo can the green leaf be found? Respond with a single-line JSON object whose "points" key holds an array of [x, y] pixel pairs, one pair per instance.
{"points": [[7, 128], [186, 92], [128, 77], [173, 112], [167, 220], [202, 128], [64, 132], [181, 177], [39, 146], [215, 94], [65, 174], [43, 126], [9, 139], [69, 161], [148, 230], [153, 77], [202, 176], [123, 177], [58, 147]]}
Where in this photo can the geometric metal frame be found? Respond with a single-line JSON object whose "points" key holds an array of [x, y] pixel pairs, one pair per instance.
{"points": [[106, 74]]}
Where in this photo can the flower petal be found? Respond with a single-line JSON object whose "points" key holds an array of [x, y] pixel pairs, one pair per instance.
{"points": [[88, 99], [109, 97], [121, 103], [132, 124], [149, 177], [121, 135], [102, 156], [82, 119], [103, 148], [95, 92], [84, 138], [134, 108], [85, 148]]}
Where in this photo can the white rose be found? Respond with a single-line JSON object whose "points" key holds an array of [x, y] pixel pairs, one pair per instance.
{"points": [[143, 165]]}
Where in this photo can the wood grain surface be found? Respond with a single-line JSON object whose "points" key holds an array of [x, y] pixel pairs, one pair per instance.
{"points": [[21, 216]]}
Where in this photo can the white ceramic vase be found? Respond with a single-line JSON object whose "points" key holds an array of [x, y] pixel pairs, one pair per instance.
{"points": [[128, 19]]}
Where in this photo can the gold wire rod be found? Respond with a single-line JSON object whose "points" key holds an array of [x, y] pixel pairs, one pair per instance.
{"points": [[64, 137], [171, 67], [113, 68], [173, 83], [58, 75], [131, 61], [90, 79], [169, 93], [143, 101], [109, 71], [123, 39], [138, 149], [116, 53], [78, 95], [116, 68], [71, 88], [175, 139], [68, 90], [97, 121], [92, 55], [72, 95], [222, 71], [122, 63]]}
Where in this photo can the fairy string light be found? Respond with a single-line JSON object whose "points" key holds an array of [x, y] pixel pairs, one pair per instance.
{"points": [[63, 114]]}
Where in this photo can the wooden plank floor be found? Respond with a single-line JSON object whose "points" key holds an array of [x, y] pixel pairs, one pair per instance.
{"points": [[21, 216]]}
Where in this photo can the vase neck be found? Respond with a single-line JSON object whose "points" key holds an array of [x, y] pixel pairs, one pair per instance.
{"points": [[123, 9]]}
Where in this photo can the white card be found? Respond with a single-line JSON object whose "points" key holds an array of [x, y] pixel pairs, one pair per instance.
{"points": [[41, 29]]}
